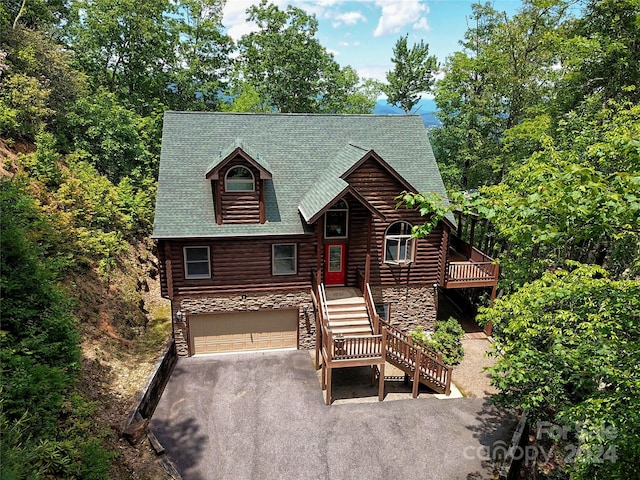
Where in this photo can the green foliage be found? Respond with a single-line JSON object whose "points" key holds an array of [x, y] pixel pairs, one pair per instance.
{"points": [[203, 55], [39, 343], [245, 98], [504, 75], [290, 70], [37, 82], [347, 93], [413, 74], [446, 339], [23, 104], [43, 164], [567, 349], [47, 429], [111, 135], [124, 46], [553, 208], [607, 35], [430, 205]]}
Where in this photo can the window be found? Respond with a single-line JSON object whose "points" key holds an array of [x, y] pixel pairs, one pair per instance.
{"points": [[283, 259], [335, 220], [398, 244], [196, 262], [239, 179]]}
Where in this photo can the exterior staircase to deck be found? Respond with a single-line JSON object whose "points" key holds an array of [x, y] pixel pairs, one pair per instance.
{"points": [[348, 316], [345, 337]]}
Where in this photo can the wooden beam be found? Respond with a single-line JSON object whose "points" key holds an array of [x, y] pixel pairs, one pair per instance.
{"points": [[168, 270], [319, 252], [444, 255], [218, 187], [262, 206]]}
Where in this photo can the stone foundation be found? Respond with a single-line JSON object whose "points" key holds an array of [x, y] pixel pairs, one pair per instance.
{"points": [[408, 306], [248, 302]]}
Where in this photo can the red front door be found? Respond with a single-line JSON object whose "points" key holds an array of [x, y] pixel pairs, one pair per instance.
{"points": [[334, 264]]}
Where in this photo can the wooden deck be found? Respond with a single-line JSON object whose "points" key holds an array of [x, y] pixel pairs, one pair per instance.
{"points": [[468, 267]]}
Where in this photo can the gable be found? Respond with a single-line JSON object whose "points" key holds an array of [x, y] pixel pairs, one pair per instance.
{"points": [[238, 152], [301, 150]]}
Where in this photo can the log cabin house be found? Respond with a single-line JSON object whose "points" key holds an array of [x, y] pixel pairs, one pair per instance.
{"points": [[262, 219]]}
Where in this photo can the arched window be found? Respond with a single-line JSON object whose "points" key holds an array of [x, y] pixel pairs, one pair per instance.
{"points": [[399, 246], [239, 179], [336, 220]]}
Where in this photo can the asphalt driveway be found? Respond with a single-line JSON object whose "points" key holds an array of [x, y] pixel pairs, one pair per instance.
{"points": [[262, 416]]}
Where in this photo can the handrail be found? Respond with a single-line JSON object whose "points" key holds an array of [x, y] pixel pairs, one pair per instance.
{"points": [[401, 350], [471, 271], [374, 318], [323, 302]]}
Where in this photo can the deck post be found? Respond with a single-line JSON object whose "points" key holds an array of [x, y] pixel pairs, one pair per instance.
{"points": [[367, 269], [381, 383], [416, 374], [488, 328], [328, 391]]}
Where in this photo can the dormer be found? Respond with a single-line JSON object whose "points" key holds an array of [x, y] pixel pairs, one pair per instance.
{"points": [[237, 181]]}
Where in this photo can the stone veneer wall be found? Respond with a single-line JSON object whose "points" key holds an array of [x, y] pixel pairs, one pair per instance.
{"points": [[247, 302], [409, 306]]}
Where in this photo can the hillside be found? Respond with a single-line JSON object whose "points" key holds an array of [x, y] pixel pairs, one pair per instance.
{"points": [[121, 321]]}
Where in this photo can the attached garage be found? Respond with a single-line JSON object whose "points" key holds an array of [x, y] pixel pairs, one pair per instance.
{"points": [[243, 331]]}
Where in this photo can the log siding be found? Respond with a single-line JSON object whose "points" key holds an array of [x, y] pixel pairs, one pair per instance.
{"points": [[239, 264], [240, 207], [379, 188]]}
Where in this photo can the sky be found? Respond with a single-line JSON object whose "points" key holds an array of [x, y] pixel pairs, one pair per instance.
{"points": [[362, 33]]}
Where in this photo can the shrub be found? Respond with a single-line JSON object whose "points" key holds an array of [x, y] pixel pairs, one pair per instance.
{"points": [[446, 339]]}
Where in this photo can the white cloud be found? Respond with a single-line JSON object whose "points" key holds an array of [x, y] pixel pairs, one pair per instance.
{"points": [[397, 15], [376, 72], [347, 18]]}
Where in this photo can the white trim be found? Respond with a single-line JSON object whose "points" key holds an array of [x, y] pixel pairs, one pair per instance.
{"points": [[295, 259], [198, 276], [409, 242]]}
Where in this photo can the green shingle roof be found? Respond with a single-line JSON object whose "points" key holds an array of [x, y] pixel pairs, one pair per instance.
{"points": [[305, 153]]}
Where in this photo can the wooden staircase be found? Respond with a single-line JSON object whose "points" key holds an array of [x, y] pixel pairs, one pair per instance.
{"points": [[349, 333], [349, 317]]}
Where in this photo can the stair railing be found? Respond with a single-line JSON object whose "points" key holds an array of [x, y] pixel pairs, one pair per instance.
{"points": [[323, 303]]}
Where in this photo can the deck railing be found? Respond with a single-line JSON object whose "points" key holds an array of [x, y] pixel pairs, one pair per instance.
{"points": [[479, 268], [424, 364], [351, 348]]}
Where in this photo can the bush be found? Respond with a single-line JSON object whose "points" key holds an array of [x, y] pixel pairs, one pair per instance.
{"points": [[446, 339]]}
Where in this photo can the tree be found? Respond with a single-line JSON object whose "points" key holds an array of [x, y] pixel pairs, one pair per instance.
{"points": [[203, 55], [127, 47], [504, 76], [347, 93], [413, 74], [601, 53], [286, 64], [109, 136], [37, 82], [568, 349]]}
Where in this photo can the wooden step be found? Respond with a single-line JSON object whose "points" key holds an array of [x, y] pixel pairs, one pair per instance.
{"points": [[347, 315], [351, 331], [349, 321], [346, 306]]}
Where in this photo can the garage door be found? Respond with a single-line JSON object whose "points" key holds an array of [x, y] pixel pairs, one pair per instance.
{"points": [[237, 332]]}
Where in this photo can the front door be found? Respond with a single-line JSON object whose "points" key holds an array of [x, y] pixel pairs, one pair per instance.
{"points": [[334, 265]]}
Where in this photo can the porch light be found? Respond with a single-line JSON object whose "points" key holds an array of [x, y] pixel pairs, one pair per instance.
{"points": [[179, 315]]}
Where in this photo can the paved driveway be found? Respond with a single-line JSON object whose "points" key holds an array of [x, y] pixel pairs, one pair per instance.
{"points": [[262, 416]]}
